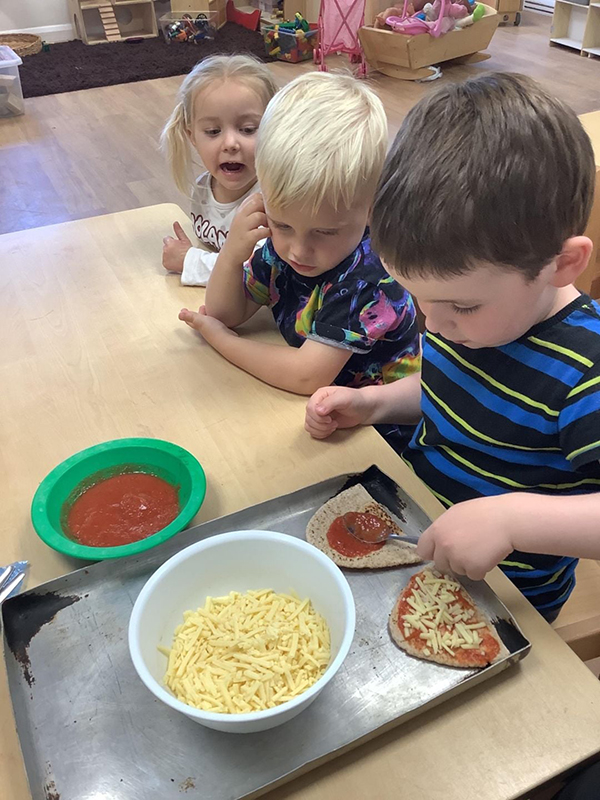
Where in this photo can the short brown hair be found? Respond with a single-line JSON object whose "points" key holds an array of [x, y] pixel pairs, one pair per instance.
{"points": [[490, 170]]}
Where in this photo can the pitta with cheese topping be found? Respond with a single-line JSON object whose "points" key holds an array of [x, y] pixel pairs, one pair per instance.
{"points": [[357, 499], [436, 619]]}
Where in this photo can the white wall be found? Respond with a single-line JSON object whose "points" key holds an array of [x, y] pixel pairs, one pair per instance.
{"points": [[47, 18]]}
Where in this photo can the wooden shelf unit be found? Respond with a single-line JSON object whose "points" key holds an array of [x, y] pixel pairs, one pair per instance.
{"points": [[577, 26], [194, 6], [101, 21]]}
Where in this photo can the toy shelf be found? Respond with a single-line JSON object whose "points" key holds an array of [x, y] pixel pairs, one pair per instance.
{"points": [[577, 25], [100, 21]]}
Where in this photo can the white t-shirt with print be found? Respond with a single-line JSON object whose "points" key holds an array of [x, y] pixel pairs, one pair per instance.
{"points": [[212, 221]]}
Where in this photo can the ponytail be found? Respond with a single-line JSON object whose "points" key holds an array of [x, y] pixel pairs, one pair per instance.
{"points": [[175, 144]]}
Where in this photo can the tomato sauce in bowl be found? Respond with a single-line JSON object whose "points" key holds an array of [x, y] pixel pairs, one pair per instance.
{"points": [[120, 509]]}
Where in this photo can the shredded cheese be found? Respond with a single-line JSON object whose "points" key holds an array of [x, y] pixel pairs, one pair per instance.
{"points": [[441, 620], [247, 652]]}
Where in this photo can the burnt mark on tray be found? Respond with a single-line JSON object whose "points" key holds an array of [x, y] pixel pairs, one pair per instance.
{"points": [[24, 617], [50, 790], [187, 784], [511, 636], [49, 786], [381, 488]]}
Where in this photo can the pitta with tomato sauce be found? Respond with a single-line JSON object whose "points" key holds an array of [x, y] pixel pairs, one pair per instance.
{"points": [[326, 530], [436, 619]]}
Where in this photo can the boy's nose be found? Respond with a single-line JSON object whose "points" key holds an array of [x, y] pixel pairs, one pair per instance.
{"points": [[430, 325], [430, 321], [300, 254], [435, 324]]}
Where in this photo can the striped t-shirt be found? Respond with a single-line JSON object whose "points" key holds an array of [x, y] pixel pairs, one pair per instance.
{"points": [[521, 417]]}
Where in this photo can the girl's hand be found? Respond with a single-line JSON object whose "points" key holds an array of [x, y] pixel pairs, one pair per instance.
{"points": [[335, 407], [174, 249], [471, 538], [249, 226], [210, 328]]}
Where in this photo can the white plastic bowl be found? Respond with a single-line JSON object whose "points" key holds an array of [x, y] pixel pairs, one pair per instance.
{"points": [[238, 562]]}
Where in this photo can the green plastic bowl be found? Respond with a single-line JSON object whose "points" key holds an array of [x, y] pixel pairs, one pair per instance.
{"points": [[163, 459]]}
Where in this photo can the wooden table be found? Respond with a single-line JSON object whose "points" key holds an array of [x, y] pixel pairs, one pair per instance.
{"points": [[92, 350]]}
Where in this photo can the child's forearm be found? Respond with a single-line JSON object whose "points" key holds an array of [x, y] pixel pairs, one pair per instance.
{"points": [[278, 365], [225, 296], [560, 526], [398, 402], [470, 538]]}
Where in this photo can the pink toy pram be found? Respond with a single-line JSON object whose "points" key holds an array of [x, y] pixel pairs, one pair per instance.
{"points": [[339, 23]]}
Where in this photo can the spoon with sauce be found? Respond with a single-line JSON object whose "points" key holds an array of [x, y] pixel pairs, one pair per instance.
{"points": [[369, 528]]}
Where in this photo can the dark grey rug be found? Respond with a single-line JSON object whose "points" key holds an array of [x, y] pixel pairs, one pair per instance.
{"points": [[69, 66]]}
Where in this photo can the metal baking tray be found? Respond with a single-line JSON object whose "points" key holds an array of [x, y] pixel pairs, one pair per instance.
{"points": [[89, 728]]}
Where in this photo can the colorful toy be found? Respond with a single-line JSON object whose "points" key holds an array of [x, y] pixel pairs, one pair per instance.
{"points": [[437, 18], [278, 11], [298, 23], [453, 11], [188, 30], [413, 8], [291, 41], [410, 26], [478, 13]]}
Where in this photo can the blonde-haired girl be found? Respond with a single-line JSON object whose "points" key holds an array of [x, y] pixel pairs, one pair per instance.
{"points": [[219, 107]]}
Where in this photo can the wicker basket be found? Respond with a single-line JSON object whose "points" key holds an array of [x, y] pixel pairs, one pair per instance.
{"points": [[24, 44]]}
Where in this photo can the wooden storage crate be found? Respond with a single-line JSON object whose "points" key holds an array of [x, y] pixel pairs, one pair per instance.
{"points": [[409, 57], [98, 21]]}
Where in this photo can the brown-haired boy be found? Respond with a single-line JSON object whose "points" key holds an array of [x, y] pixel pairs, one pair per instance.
{"points": [[480, 213]]}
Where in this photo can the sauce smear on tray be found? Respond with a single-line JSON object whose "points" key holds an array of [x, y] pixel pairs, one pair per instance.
{"points": [[122, 509]]}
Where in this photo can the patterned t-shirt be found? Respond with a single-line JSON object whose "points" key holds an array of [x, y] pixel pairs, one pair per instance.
{"points": [[522, 417], [355, 306]]}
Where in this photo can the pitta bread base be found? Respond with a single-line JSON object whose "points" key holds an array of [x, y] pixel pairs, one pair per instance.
{"points": [[442, 657], [392, 554]]}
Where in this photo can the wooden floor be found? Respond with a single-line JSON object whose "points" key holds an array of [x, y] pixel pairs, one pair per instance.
{"points": [[93, 152]]}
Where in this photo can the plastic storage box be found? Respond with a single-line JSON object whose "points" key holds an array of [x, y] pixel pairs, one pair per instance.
{"points": [[190, 26], [289, 45], [11, 94], [266, 6]]}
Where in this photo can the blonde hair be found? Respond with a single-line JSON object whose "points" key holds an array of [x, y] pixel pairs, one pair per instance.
{"points": [[322, 137], [174, 138]]}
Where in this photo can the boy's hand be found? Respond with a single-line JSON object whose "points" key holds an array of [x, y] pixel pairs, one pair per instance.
{"points": [[471, 538], [210, 328], [174, 249], [335, 407], [249, 226]]}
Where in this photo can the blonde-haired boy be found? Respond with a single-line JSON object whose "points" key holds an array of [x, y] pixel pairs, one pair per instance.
{"points": [[321, 146]]}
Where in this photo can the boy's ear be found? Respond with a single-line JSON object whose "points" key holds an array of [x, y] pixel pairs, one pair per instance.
{"points": [[572, 260]]}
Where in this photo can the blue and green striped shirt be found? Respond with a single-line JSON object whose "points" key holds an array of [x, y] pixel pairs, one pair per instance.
{"points": [[521, 417]]}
